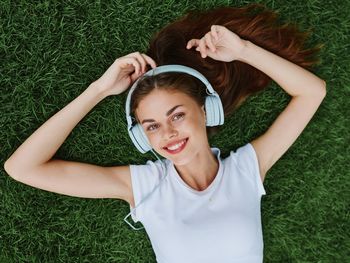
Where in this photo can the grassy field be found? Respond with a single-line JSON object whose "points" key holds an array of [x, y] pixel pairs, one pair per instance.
{"points": [[50, 51]]}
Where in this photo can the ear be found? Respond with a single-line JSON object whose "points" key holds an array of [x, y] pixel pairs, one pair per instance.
{"points": [[204, 111]]}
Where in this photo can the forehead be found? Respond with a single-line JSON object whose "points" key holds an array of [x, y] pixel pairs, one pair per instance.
{"points": [[158, 102]]}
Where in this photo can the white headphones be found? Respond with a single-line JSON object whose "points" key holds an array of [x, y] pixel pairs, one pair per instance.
{"points": [[213, 106]]}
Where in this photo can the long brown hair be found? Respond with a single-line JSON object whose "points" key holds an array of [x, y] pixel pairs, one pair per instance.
{"points": [[233, 81]]}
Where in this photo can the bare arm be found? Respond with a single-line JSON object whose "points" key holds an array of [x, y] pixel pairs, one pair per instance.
{"points": [[40, 147], [32, 162], [295, 80], [307, 91]]}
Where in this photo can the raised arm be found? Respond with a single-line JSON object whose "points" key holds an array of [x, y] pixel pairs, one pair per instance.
{"points": [[307, 92], [306, 89], [32, 162]]}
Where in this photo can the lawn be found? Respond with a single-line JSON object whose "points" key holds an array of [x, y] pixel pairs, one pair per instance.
{"points": [[50, 52]]}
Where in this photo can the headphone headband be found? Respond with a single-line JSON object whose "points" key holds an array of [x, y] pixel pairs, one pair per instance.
{"points": [[163, 69]]}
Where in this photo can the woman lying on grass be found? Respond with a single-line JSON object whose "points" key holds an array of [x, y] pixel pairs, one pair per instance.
{"points": [[195, 205]]}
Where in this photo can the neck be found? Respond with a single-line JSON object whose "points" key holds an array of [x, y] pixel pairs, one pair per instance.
{"points": [[200, 172]]}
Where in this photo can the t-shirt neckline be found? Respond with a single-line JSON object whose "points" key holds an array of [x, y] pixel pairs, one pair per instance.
{"points": [[214, 150]]}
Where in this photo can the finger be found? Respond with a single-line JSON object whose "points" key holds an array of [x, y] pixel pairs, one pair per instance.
{"points": [[214, 31], [189, 44], [149, 60], [134, 77], [210, 44], [133, 61], [141, 60], [192, 43], [202, 48]]}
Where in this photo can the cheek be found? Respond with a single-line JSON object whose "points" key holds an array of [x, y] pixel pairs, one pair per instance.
{"points": [[196, 124], [154, 139]]}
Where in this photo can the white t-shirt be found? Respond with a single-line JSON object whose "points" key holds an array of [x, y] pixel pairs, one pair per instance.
{"points": [[219, 224]]}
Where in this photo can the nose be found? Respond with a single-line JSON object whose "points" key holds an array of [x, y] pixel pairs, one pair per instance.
{"points": [[170, 132]]}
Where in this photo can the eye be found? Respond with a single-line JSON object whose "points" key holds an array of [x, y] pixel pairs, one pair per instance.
{"points": [[178, 116], [149, 128]]}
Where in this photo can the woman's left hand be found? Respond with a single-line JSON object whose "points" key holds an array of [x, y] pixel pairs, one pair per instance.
{"points": [[220, 44]]}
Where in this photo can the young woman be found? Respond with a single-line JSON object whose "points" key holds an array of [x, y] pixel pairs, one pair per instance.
{"points": [[207, 208]]}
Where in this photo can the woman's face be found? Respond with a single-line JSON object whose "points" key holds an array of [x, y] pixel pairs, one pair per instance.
{"points": [[170, 117]]}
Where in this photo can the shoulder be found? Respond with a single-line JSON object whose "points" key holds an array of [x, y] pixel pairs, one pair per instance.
{"points": [[245, 157], [148, 174], [242, 157], [149, 166], [246, 160], [242, 154], [144, 179]]}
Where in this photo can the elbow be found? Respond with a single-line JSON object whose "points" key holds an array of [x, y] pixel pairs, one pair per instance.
{"points": [[316, 91], [10, 171], [7, 168], [320, 91], [324, 88]]}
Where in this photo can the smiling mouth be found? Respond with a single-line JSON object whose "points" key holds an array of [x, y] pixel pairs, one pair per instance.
{"points": [[177, 147]]}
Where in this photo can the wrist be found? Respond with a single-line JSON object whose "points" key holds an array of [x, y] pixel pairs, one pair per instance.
{"points": [[97, 90], [243, 54]]}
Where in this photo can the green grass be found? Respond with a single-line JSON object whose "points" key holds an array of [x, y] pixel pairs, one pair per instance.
{"points": [[51, 51]]}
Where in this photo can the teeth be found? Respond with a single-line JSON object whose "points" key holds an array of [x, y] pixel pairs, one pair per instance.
{"points": [[176, 146]]}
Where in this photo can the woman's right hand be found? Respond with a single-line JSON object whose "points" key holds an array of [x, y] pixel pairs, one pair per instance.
{"points": [[123, 72], [220, 44]]}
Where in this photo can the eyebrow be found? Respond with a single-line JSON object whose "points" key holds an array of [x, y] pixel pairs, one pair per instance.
{"points": [[167, 114]]}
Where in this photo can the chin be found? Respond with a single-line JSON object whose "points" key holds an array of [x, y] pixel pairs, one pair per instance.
{"points": [[181, 160]]}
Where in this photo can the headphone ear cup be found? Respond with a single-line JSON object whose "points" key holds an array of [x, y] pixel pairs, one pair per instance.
{"points": [[214, 112], [209, 111], [139, 139]]}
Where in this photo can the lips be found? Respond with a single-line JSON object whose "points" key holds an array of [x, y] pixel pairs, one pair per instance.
{"points": [[182, 145]]}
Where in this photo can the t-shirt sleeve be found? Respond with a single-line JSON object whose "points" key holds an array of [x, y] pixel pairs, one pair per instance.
{"points": [[248, 163], [144, 178]]}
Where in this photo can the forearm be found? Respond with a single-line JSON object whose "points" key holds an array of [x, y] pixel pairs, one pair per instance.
{"points": [[45, 141], [294, 79]]}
